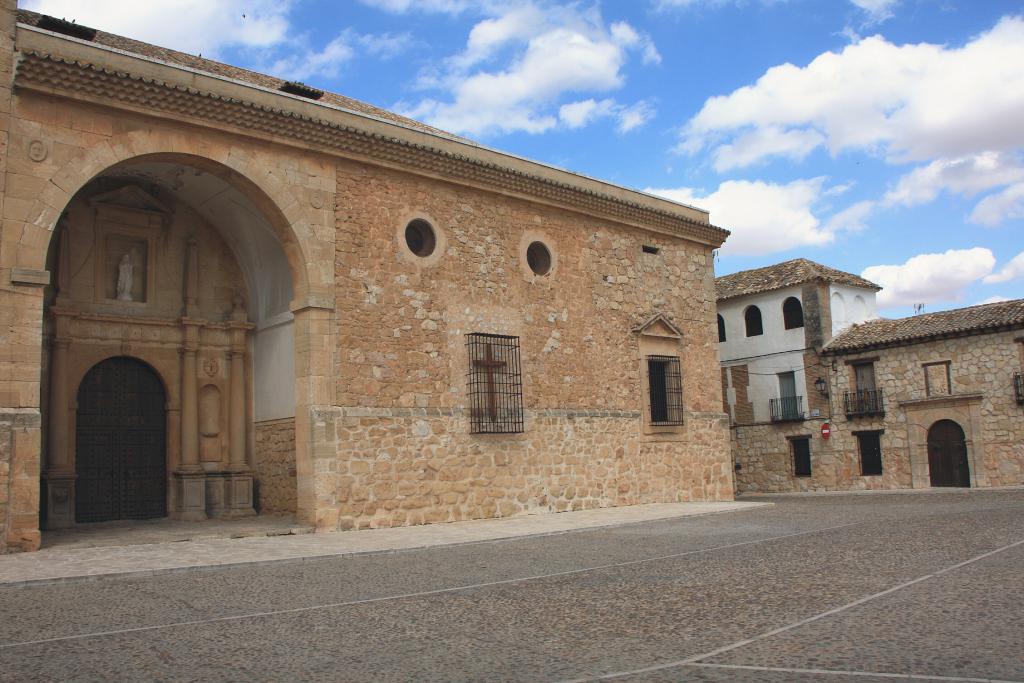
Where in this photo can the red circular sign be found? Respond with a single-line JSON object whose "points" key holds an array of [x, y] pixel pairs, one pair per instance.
{"points": [[826, 430]]}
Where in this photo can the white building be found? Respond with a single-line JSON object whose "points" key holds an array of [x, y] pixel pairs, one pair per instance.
{"points": [[771, 323]]}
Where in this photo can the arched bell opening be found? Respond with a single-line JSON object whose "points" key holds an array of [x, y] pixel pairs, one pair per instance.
{"points": [[171, 259]]}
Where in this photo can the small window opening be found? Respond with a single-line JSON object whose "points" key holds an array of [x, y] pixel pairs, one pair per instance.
{"points": [[792, 313], [801, 456], [538, 258], [649, 249], [870, 446], [495, 391], [665, 389], [752, 317], [420, 238], [721, 329], [68, 28]]}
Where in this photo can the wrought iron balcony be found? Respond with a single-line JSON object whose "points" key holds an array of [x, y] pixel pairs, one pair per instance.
{"points": [[787, 408], [864, 403], [1018, 387]]}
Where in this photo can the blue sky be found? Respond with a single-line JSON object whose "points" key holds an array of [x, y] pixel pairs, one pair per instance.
{"points": [[882, 137]]}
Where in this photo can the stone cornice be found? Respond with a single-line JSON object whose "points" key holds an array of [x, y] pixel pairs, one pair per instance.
{"points": [[53, 74]]}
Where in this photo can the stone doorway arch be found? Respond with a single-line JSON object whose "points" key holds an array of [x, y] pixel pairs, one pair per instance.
{"points": [[120, 442], [947, 455]]}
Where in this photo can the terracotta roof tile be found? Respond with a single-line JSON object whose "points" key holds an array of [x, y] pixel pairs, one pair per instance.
{"points": [[781, 275], [210, 66], [958, 322]]}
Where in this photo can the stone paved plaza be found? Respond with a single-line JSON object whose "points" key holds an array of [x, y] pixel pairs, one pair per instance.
{"points": [[918, 586]]}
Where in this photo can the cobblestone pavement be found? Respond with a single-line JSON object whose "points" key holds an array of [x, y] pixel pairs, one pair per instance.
{"points": [[113, 550], [829, 588]]}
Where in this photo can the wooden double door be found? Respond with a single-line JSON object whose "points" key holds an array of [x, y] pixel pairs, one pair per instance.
{"points": [[947, 455], [120, 443]]}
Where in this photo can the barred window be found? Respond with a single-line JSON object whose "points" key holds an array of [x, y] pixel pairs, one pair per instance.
{"points": [[495, 384], [665, 389]]}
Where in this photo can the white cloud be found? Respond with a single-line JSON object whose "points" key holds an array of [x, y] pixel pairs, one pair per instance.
{"points": [[964, 175], [993, 300], [328, 62], [877, 10], [426, 6], [1001, 206], [194, 26], [579, 114], [751, 147], [634, 116], [930, 278], [1013, 270], [584, 112], [519, 67], [853, 218], [763, 217], [894, 100]]}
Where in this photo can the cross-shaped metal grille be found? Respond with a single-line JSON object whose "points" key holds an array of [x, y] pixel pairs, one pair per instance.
{"points": [[495, 384]]}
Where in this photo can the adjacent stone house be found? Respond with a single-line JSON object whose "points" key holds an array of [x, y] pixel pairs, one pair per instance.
{"points": [[772, 325], [930, 400], [222, 293]]}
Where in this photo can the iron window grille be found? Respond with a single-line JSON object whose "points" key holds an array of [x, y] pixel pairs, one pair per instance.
{"points": [[665, 390], [1018, 387], [864, 403], [786, 408], [495, 384]]}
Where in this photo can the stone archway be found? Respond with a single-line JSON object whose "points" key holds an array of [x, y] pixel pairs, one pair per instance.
{"points": [[947, 455], [308, 304]]}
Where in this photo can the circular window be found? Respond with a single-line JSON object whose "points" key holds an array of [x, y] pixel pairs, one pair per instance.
{"points": [[539, 258], [420, 238]]}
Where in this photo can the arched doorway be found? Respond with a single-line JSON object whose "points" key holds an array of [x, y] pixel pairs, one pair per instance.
{"points": [[947, 455], [120, 443]]}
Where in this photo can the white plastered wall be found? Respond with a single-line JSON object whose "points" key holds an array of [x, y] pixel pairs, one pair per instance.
{"points": [[777, 350], [850, 306]]}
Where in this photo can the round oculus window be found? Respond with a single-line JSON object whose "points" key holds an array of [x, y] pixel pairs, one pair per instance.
{"points": [[420, 238], [538, 257]]}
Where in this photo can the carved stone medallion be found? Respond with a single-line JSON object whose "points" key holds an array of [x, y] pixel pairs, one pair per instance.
{"points": [[210, 367], [37, 150]]}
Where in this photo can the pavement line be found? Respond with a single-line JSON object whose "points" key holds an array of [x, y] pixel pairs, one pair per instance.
{"points": [[420, 594], [797, 624], [865, 674]]}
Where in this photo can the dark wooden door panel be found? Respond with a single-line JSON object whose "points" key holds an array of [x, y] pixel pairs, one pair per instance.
{"points": [[947, 455], [120, 458]]}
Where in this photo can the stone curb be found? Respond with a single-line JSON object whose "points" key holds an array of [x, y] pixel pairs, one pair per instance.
{"points": [[104, 576]]}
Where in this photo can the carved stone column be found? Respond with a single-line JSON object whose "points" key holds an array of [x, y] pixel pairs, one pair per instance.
{"points": [[240, 479], [60, 471], [59, 474], [189, 475]]}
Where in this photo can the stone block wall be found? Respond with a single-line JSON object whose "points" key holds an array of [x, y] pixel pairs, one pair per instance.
{"points": [[981, 402], [19, 480], [274, 463], [411, 466], [405, 452]]}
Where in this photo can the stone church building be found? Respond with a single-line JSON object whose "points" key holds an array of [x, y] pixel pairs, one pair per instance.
{"points": [[223, 294]]}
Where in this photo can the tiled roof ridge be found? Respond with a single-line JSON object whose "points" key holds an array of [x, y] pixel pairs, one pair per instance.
{"points": [[223, 69], [784, 274], [882, 332]]}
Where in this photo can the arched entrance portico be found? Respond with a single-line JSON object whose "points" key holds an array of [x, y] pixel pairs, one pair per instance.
{"points": [[120, 443], [947, 455], [211, 267]]}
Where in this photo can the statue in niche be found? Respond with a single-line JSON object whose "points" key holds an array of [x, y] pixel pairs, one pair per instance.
{"points": [[124, 278]]}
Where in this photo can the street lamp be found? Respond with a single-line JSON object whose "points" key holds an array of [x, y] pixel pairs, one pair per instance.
{"points": [[819, 384]]}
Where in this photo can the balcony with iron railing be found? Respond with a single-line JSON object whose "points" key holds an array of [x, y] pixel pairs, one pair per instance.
{"points": [[864, 403], [1018, 387], [787, 408]]}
